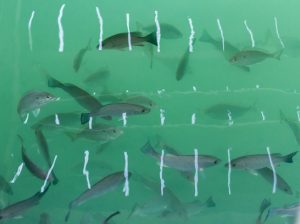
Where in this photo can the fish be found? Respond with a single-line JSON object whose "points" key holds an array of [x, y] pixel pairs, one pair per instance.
{"points": [[115, 110], [267, 174], [293, 125], [253, 56], [99, 132], [97, 77], [181, 162], [44, 149], [263, 206], [33, 168], [221, 111], [79, 56], [138, 99], [183, 64], [259, 161], [291, 210], [45, 218], [81, 96], [103, 186], [64, 120], [167, 31], [5, 186], [120, 40], [33, 101], [106, 221], [20, 207]]}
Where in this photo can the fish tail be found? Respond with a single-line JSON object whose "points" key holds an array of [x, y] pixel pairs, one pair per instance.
{"points": [[68, 215], [151, 38], [289, 158], [132, 211], [55, 179], [206, 37], [53, 83], [210, 202], [282, 116], [71, 135], [278, 54], [148, 149], [268, 215], [85, 117]]}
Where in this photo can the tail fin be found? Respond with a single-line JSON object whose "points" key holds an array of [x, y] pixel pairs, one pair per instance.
{"points": [[289, 158], [53, 83], [210, 202], [73, 136], [206, 37], [151, 38], [132, 211], [85, 117], [148, 149]]}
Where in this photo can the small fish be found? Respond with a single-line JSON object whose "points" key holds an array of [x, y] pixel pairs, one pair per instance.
{"points": [[33, 101], [115, 110], [259, 161], [79, 56], [267, 174], [120, 40], [181, 162], [293, 125], [45, 218], [183, 64], [263, 206], [33, 168], [103, 186], [97, 77], [20, 207], [99, 132], [167, 30], [291, 210], [5, 186], [82, 97], [106, 221], [253, 56]]}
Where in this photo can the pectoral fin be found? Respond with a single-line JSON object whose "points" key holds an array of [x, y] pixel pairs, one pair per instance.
{"points": [[36, 112]]}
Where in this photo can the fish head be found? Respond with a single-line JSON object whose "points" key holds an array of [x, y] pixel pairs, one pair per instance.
{"points": [[114, 132], [143, 110], [216, 161], [106, 44], [44, 98]]}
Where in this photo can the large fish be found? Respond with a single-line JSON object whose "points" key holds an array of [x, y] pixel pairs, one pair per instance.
{"points": [[20, 207], [181, 162], [120, 40], [259, 161], [115, 110], [5, 186], [293, 125], [33, 168], [82, 97], [267, 174], [33, 101], [103, 186], [167, 31], [79, 56]]}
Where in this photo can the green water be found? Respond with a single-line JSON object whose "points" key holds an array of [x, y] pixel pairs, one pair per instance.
{"points": [[270, 86]]}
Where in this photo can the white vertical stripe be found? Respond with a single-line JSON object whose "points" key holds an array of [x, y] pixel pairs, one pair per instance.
{"points": [[61, 30], [124, 119], [274, 171], [26, 119], [128, 30], [158, 35], [277, 32], [162, 117], [222, 34], [18, 173], [57, 122], [126, 185], [192, 35], [48, 175], [162, 182], [91, 123], [250, 33], [196, 172], [85, 171], [263, 115], [229, 171], [29, 29], [100, 28]]}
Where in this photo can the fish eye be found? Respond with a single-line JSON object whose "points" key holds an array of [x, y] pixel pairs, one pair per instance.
{"points": [[143, 110], [114, 131], [233, 165], [216, 162]]}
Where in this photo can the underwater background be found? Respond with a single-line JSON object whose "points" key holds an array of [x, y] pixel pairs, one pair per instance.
{"points": [[257, 96]]}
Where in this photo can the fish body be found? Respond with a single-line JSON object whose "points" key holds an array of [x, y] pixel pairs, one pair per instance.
{"points": [[5, 186], [34, 100], [115, 110], [79, 57], [153, 207], [19, 208], [287, 211], [103, 186], [45, 218], [97, 77], [183, 64], [120, 40], [293, 125], [252, 56], [167, 30], [181, 162], [259, 161]]}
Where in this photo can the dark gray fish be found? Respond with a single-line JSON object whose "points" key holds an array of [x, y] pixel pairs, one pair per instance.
{"points": [[263, 206], [82, 97], [167, 30], [115, 110], [79, 56], [267, 174], [20, 207], [97, 77], [5, 186], [106, 221], [120, 40], [43, 146], [183, 64], [293, 125], [45, 218], [33, 101], [259, 161], [103, 186], [181, 162], [33, 168]]}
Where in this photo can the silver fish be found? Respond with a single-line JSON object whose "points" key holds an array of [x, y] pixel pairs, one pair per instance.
{"points": [[259, 161], [82, 97], [33, 168], [115, 110], [267, 174], [181, 162], [79, 56], [120, 40], [20, 207], [99, 132], [291, 210], [5, 186], [103, 186], [33, 101], [45, 218], [167, 30]]}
